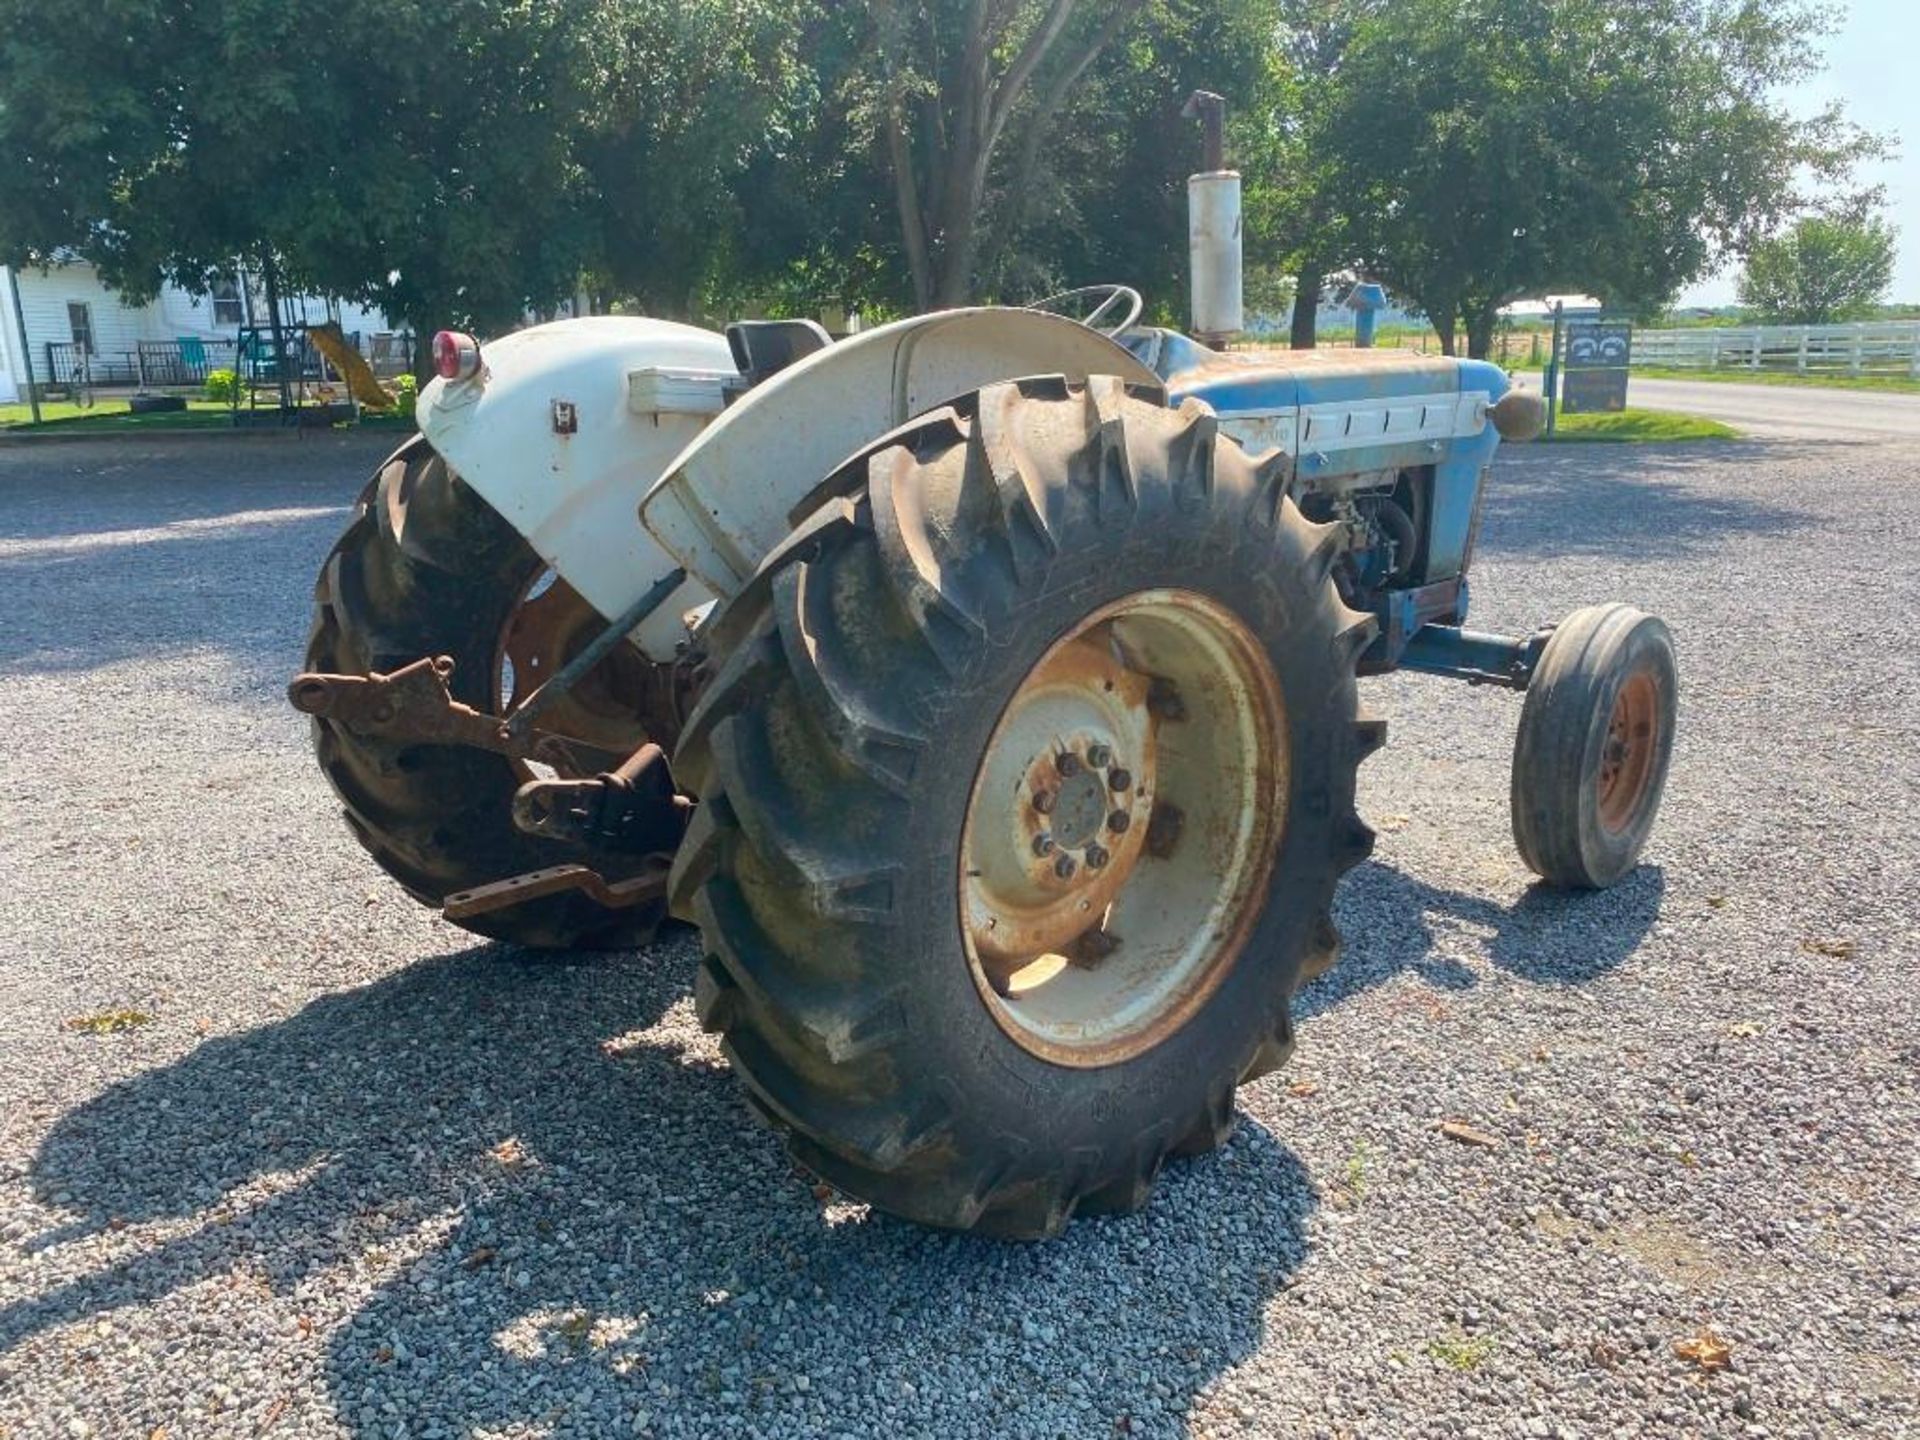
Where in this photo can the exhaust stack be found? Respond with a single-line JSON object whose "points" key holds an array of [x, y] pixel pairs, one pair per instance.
{"points": [[1213, 228]]}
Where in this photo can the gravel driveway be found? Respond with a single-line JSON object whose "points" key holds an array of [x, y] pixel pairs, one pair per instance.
{"points": [[357, 1174]]}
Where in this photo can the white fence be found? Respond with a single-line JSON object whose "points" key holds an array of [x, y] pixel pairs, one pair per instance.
{"points": [[1888, 348]]}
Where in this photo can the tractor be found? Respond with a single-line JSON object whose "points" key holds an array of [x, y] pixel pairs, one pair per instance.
{"points": [[984, 686]]}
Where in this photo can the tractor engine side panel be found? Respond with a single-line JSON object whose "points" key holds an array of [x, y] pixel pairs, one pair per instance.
{"points": [[1342, 418]]}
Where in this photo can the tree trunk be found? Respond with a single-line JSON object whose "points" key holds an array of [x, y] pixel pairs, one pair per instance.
{"points": [[941, 147], [272, 276], [957, 231], [1480, 328], [906, 194], [423, 370], [1304, 333], [1443, 327]]}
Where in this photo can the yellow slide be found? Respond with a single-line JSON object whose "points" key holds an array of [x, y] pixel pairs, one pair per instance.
{"points": [[352, 367]]}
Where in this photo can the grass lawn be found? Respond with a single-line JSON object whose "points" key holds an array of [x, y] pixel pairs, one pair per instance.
{"points": [[1649, 425], [112, 417], [1896, 383], [113, 414]]}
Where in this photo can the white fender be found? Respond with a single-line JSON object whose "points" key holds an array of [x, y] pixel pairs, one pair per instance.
{"points": [[634, 392], [568, 428], [722, 505]]}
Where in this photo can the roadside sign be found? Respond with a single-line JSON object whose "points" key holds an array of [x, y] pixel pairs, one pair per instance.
{"points": [[1594, 373]]}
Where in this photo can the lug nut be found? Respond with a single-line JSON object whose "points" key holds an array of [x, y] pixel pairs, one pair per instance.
{"points": [[1063, 866], [1068, 764], [1098, 755], [1043, 802], [1119, 778], [1118, 822], [1043, 844], [1096, 857]]}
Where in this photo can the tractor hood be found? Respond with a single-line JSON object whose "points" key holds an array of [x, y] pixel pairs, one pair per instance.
{"points": [[1336, 412]]}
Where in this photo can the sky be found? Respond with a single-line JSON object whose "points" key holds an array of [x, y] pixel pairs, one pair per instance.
{"points": [[1870, 67]]}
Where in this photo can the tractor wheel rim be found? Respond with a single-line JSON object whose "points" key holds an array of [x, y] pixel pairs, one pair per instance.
{"points": [[1627, 756], [548, 627], [1121, 827]]}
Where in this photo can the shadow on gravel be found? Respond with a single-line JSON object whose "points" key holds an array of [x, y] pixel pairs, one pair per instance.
{"points": [[239, 584], [1391, 922], [124, 552], [49, 492], [558, 1216], [1614, 499]]}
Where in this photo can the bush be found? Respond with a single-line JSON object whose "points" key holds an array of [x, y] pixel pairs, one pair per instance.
{"points": [[406, 390], [222, 387]]}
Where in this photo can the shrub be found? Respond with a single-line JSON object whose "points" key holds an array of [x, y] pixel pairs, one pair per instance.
{"points": [[222, 387], [406, 390]]}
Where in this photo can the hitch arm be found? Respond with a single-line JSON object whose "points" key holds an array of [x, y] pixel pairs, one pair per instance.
{"points": [[415, 703]]}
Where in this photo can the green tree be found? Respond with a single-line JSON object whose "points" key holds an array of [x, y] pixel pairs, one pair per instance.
{"points": [[1100, 194], [1087, 182], [951, 82], [1820, 270], [437, 172], [454, 163], [1296, 213], [123, 152], [703, 98], [1491, 149]]}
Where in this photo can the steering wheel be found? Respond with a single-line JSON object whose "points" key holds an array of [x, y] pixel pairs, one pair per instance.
{"points": [[1092, 304]]}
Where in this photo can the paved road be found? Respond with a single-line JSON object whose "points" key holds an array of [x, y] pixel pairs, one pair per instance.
{"points": [[1787, 411], [361, 1176]]}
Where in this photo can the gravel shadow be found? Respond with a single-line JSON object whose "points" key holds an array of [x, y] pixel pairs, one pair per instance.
{"points": [[1615, 499], [1391, 922], [561, 1214], [202, 586], [79, 490]]}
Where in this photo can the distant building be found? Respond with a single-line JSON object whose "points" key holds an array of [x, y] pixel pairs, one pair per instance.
{"points": [[69, 311], [1542, 309]]}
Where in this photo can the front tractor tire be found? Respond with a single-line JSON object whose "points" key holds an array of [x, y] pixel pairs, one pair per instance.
{"points": [[427, 568], [1595, 739], [1026, 781]]}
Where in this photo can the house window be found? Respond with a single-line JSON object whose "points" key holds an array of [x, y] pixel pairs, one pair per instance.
{"points": [[227, 306], [80, 322]]}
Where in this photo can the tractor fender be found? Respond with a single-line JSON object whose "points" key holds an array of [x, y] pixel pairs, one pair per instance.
{"points": [[565, 427], [724, 502]]}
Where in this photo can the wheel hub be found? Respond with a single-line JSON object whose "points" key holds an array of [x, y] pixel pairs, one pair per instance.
{"points": [[1044, 875], [1627, 760], [1080, 809], [1091, 924]]}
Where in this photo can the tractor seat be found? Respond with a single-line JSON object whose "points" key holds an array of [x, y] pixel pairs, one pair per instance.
{"points": [[763, 348]]}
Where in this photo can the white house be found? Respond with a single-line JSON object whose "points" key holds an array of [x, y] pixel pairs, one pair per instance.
{"points": [[67, 307]]}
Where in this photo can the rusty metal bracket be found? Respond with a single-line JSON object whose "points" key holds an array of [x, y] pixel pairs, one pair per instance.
{"points": [[649, 884], [632, 809], [415, 703], [519, 725]]}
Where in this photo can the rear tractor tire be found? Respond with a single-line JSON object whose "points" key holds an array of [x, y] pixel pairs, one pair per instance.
{"points": [[1596, 736], [427, 568], [1026, 780]]}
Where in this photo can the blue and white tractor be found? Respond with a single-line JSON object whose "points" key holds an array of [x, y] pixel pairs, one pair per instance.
{"points": [[984, 687]]}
